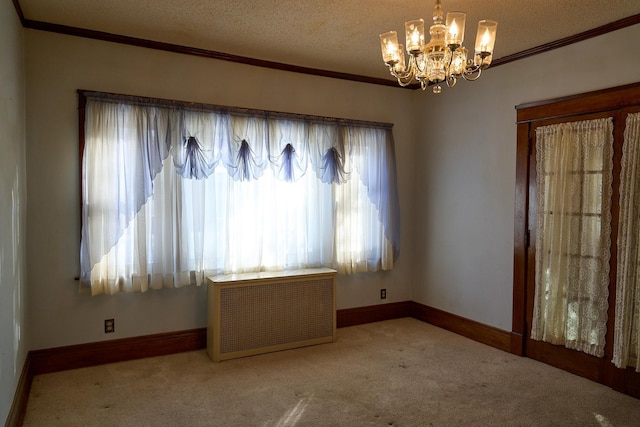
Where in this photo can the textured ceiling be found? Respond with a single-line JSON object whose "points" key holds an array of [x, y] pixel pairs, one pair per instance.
{"points": [[330, 35]]}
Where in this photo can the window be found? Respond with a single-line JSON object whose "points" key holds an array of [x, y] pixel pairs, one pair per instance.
{"points": [[174, 192]]}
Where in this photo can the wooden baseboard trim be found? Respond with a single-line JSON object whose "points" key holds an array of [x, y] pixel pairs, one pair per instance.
{"points": [[517, 344], [21, 397], [120, 350], [372, 313], [476, 331], [92, 354]]}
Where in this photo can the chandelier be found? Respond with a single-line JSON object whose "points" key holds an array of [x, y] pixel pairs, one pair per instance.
{"points": [[443, 59]]}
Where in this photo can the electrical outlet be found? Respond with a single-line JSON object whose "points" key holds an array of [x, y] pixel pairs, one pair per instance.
{"points": [[109, 326], [383, 294]]}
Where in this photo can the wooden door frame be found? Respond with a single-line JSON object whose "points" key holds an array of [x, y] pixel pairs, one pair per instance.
{"points": [[613, 99]]}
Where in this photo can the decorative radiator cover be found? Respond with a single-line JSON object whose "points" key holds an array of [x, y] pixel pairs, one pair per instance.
{"points": [[255, 313]]}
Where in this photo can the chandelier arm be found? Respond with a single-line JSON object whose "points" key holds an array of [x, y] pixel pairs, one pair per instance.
{"points": [[423, 81], [451, 80], [419, 70], [404, 82], [448, 67], [404, 78], [472, 74]]}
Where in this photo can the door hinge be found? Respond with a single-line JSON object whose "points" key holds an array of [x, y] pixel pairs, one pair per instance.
{"points": [[527, 238]]}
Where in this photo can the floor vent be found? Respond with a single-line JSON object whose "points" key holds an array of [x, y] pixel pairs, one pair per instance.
{"points": [[255, 313]]}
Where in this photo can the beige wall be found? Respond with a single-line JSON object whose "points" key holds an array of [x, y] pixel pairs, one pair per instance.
{"points": [[466, 147], [458, 147], [57, 66], [13, 344]]}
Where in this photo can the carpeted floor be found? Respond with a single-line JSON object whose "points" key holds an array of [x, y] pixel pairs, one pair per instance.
{"points": [[395, 373]]}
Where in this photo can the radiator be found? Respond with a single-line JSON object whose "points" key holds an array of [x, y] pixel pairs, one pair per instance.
{"points": [[256, 313]]}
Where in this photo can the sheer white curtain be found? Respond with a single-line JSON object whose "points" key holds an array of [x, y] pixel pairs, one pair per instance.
{"points": [[627, 327], [174, 194], [574, 175], [360, 244]]}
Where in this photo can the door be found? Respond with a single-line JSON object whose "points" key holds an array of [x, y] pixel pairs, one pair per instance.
{"points": [[615, 103], [570, 230]]}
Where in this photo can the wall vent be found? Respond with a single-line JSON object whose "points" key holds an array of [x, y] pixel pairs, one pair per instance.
{"points": [[256, 313]]}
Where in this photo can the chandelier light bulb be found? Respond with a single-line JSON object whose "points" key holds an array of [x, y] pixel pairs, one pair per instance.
{"points": [[485, 39], [391, 50], [414, 31], [389, 46], [453, 30], [486, 36]]}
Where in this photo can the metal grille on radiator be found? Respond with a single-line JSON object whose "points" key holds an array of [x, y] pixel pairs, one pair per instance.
{"points": [[256, 313], [272, 314]]}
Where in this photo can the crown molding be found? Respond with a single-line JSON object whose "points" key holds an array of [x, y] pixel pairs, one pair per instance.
{"points": [[594, 32], [18, 8], [187, 50]]}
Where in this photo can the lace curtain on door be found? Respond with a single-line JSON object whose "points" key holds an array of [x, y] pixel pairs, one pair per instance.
{"points": [[574, 176], [627, 327]]}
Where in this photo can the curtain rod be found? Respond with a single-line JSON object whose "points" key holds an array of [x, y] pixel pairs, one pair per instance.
{"points": [[160, 102]]}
